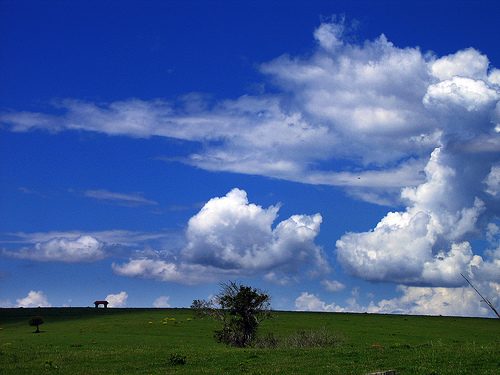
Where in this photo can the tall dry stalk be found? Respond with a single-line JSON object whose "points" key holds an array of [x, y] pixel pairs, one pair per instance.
{"points": [[483, 299]]}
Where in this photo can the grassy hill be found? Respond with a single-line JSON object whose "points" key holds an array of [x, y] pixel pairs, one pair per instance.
{"points": [[148, 341]]}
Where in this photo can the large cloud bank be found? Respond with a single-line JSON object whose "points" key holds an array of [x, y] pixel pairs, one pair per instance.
{"points": [[381, 108], [429, 242], [391, 125]]}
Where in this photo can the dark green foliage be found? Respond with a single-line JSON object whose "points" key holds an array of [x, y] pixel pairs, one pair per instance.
{"points": [[240, 309], [247, 308], [176, 359], [35, 321]]}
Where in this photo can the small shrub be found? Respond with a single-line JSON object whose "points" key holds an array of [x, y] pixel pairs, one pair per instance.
{"points": [[50, 363], [240, 310], [320, 338], [266, 342], [176, 359]]}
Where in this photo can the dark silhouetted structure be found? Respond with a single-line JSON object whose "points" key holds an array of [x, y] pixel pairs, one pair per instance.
{"points": [[97, 303]]}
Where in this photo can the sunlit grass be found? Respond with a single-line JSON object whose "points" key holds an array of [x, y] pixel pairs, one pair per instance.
{"points": [[150, 341]]}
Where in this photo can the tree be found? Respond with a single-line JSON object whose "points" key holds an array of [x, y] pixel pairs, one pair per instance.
{"points": [[240, 309], [35, 322]]}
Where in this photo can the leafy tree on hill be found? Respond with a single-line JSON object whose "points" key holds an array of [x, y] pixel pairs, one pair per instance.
{"points": [[240, 309], [35, 322]]}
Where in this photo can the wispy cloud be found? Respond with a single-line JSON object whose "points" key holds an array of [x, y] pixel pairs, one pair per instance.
{"points": [[122, 199], [374, 105], [332, 285], [361, 104], [125, 238], [78, 246], [31, 192], [61, 249]]}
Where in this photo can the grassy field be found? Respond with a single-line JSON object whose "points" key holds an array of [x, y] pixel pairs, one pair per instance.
{"points": [[148, 341]]}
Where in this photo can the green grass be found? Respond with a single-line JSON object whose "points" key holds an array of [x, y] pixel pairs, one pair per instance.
{"points": [[137, 341]]}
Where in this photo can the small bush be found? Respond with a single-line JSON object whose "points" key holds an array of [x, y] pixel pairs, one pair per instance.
{"points": [[176, 359], [320, 338], [266, 342], [50, 363], [240, 310]]}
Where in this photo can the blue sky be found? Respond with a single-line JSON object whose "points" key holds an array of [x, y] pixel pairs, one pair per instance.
{"points": [[341, 155]]}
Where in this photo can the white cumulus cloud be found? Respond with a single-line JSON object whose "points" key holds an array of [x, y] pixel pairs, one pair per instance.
{"points": [[429, 243], [462, 301], [330, 34], [426, 244], [493, 182], [311, 302], [34, 299], [162, 301], [433, 301], [461, 93], [467, 63], [230, 236], [117, 300], [230, 232]]}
